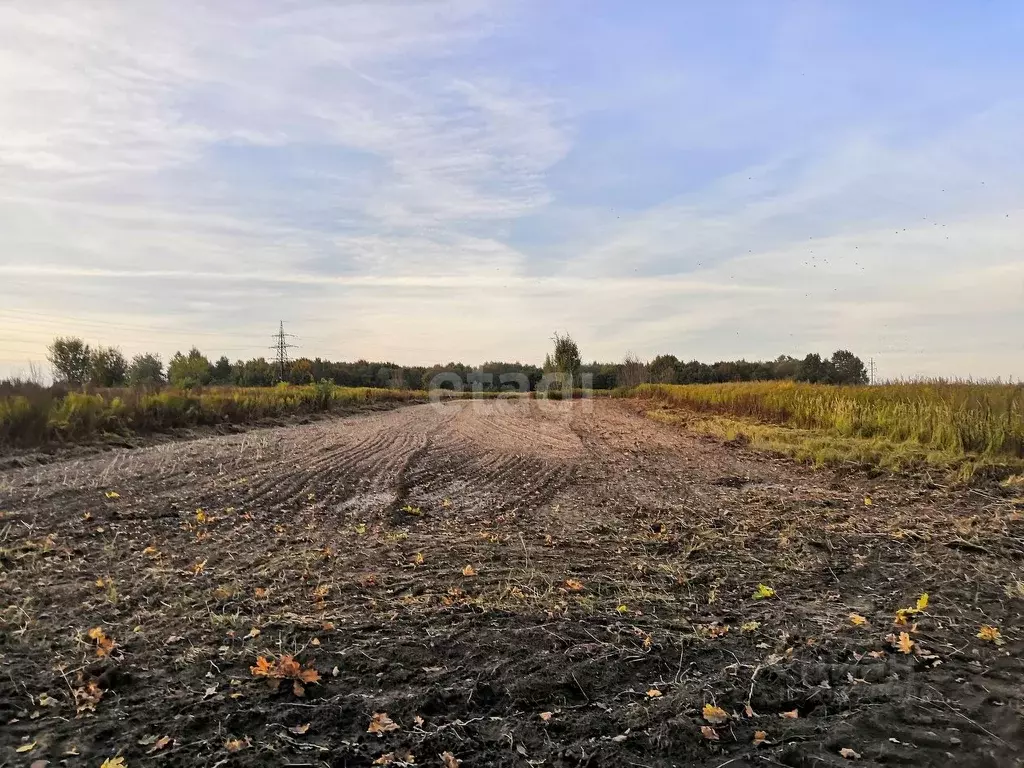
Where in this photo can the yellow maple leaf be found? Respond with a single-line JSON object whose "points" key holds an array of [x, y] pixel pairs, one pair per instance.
{"points": [[468, 571], [418, 558], [922, 602], [380, 724], [715, 715], [857, 620], [201, 517], [114, 762], [867, 501], [623, 609], [750, 626]]}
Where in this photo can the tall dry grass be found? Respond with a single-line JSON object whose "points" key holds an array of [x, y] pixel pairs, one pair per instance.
{"points": [[40, 417], [961, 418]]}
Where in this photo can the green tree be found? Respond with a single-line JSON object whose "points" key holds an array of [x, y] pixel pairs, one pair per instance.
{"points": [[849, 369], [146, 370], [108, 367], [815, 370], [191, 370], [70, 360], [221, 372], [664, 369], [566, 357]]}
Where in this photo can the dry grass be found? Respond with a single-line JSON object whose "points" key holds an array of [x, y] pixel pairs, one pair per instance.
{"points": [[956, 426]]}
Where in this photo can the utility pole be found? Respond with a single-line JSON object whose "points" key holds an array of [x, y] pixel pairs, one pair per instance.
{"points": [[871, 365], [281, 347]]}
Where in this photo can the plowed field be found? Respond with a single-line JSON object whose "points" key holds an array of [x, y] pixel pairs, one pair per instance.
{"points": [[513, 583]]}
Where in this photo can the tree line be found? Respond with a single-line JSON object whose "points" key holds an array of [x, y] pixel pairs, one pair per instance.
{"points": [[75, 363]]}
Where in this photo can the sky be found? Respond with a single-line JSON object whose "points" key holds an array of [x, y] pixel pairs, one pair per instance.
{"points": [[448, 180]]}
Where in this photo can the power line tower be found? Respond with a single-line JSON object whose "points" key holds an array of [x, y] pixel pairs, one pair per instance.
{"points": [[281, 347], [871, 365]]}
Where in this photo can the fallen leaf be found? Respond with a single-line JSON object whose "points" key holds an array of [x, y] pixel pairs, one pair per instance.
{"points": [[759, 737], [234, 745], [418, 558], [574, 585], [623, 609], [709, 733], [159, 744], [715, 715], [254, 632], [380, 724], [922, 602], [448, 760], [991, 634], [418, 720], [857, 620], [545, 716], [791, 715], [750, 626], [763, 591], [315, 641], [468, 571], [849, 754], [112, 495], [26, 747], [299, 729], [749, 711], [654, 693], [114, 762], [867, 501], [905, 644]]}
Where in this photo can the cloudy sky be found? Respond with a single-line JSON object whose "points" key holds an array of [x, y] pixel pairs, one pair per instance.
{"points": [[456, 180]]}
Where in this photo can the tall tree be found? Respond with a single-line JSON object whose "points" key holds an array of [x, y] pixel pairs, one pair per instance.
{"points": [[70, 358], [566, 357], [108, 367], [191, 370], [146, 370], [849, 369]]}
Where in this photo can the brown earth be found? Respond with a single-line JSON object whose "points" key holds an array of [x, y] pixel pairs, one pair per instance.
{"points": [[615, 564]]}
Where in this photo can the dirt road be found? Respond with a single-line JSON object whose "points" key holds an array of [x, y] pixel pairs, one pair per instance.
{"points": [[515, 583]]}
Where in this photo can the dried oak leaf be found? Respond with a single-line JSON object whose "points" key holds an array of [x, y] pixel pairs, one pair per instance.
{"points": [[715, 715], [653, 693], [448, 760], [114, 762], [545, 716], [299, 729], [857, 620], [849, 754], [469, 571], [574, 585], [709, 733], [759, 737], [380, 724], [791, 715], [990, 634]]}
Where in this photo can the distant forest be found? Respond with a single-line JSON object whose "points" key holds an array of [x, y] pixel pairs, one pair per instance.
{"points": [[75, 363]]}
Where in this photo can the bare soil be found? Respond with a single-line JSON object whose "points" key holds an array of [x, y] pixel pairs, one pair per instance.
{"points": [[514, 582]]}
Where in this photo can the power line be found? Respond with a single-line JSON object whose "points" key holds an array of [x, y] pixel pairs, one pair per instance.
{"points": [[282, 348]]}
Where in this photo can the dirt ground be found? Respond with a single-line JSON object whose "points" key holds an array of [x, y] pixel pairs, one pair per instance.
{"points": [[512, 583]]}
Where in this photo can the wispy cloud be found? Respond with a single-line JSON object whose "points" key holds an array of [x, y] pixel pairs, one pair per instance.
{"points": [[436, 180]]}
